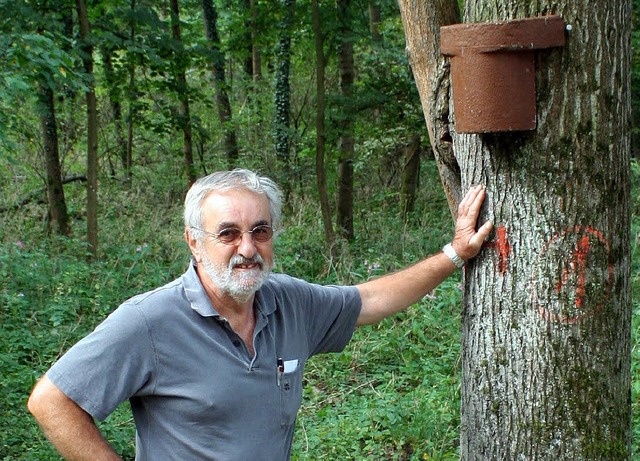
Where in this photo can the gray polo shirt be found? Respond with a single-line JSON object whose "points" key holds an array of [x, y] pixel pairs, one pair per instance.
{"points": [[195, 392]]}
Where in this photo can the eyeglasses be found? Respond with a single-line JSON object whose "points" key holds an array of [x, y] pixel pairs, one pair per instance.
{"points": [[232, 235]]}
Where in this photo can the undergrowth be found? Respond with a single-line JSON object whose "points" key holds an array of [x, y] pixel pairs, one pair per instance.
{"points": [[393, 394]]}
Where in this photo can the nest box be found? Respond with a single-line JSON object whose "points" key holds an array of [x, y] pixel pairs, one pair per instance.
{"points": [[493, 71]]}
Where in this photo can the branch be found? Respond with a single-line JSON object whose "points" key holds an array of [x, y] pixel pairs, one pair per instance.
{"points": [[422, 22], [37, 194]]}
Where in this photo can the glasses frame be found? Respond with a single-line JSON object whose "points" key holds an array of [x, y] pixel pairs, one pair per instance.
{"points": [[236, 241]]}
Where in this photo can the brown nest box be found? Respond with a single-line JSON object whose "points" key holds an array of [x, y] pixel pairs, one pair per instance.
{"points": [[493, 71]]}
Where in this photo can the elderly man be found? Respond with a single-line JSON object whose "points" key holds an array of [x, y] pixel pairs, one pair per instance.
{"points": [[212, 362]]}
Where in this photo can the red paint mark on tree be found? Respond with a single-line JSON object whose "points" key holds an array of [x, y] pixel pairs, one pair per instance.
{"points": [[584, 282], [577, 265], [502, 246]]}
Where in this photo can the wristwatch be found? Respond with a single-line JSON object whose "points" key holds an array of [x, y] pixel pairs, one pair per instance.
{"points": [[453, 256]]}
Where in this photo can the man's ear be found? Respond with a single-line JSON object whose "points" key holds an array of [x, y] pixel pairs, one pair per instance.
{"points": [[193, 244]]}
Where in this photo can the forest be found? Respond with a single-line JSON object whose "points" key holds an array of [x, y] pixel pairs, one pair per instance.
{"points": [[109, 112]]}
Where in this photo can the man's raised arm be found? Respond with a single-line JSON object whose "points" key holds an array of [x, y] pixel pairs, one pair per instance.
{"points": [[395, 292]]}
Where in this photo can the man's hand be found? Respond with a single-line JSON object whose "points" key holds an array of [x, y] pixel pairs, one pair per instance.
{"points": [[467, 241]]}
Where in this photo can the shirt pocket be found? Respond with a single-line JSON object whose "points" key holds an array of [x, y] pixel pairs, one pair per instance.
{"points": [[290, 393]]}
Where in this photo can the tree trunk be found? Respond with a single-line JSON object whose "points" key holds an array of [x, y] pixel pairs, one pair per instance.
{"points": [[374, 20], [347, 142], [210, 17], [115, 102], [282, 136], [256, 56], [92, 131], [321, 172], [133, 110], [421, 23], [183, 95], [547, 306], [410, 176], [58, 217]]}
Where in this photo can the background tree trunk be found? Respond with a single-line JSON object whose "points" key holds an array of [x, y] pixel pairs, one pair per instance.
{"points": [[547, 308], [133, 110], [220, 84], [115, 103], [183, 96], [321, 172], [282, 129], [58, 216], [410, 175], [92, 131], [347, 142]]}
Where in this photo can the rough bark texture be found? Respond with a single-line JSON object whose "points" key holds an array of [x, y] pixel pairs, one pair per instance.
{"points": [[546, 322], [92, 131], [183, 94], [282, 118], [58, 216], [547, 308], [321, 172], [347, 141], [210, 16], [422, 22]]}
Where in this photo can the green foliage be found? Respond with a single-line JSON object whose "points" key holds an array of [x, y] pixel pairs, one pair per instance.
{"points": [[394, 393]]}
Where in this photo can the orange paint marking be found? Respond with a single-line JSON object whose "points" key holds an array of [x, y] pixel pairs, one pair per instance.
{"points": [[502, 246], [578, 265]]}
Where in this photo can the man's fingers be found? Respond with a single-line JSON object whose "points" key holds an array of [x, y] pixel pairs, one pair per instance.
{"points": [[471, 201]]}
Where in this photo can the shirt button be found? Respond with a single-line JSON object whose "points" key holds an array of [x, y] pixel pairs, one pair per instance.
{"points": [[237, 343]]}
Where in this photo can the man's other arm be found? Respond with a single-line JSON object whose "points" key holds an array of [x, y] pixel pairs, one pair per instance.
{"points": [[70, 429]]}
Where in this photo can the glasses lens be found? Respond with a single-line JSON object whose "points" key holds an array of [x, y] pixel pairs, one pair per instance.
{"points": [[230, 235], [262, 234]]}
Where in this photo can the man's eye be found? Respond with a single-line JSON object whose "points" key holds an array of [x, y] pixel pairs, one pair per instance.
{"points": [[229, 233]]}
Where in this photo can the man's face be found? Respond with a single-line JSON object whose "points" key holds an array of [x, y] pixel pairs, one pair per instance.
{"points": [[237, 270]]}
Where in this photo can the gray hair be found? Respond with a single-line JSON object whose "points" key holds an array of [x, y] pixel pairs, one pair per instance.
{"points": [[230, 180]]}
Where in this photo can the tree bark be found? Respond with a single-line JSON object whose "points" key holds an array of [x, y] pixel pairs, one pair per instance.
{"points": [[547, 305], [410, 176], [347, 142], [421, 23], [282, 129], [58, 216], [115, 102], [183, 96], [321, 172], [92, 131], [133, 109], [256, 56], [210, 17]]}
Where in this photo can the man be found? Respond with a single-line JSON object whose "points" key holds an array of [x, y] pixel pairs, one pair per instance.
{"points": [[212, 362]]}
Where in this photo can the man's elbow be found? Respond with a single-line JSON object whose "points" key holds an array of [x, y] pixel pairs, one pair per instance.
{"points": [[44, 395], [36, 401]]}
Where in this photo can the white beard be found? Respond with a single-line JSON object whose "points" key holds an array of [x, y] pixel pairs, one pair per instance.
{"points": [[242, 285]]}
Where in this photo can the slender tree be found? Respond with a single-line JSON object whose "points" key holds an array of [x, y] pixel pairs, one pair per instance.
{"points": [[180, 77], [92, 130], [58, 216], [282, 133], [132, 93], [547, 308], [347, 142], [210, 16], [321, 171]]}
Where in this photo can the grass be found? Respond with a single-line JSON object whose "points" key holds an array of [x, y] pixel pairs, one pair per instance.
{"points": [[393, 394]]}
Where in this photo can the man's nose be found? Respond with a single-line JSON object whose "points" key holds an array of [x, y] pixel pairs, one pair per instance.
{"points": [[247, 246]]}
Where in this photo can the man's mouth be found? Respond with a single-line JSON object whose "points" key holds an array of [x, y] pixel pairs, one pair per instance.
{"points": [[246, 264]]}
